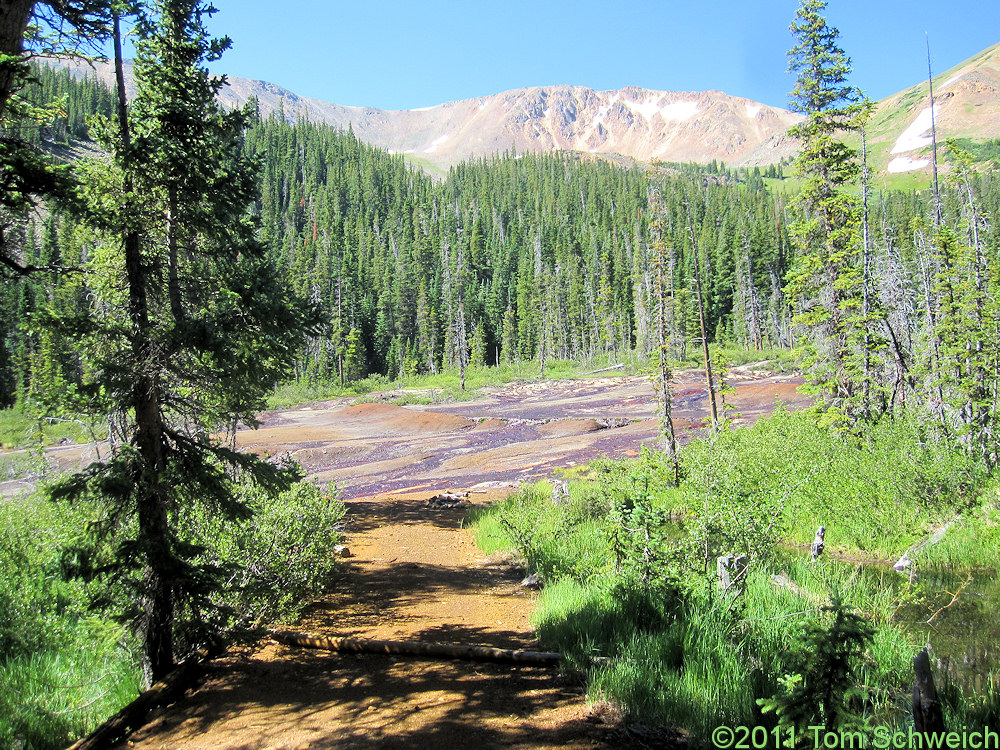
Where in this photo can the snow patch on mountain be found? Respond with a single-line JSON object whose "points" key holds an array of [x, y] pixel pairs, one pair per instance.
{"points": [[680, 111], [906, 164], [647, 108], [753, 110], [915, 136], [434, 144]]}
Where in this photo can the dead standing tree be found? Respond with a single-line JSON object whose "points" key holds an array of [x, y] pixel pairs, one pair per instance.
{"points": [[662, 252]]}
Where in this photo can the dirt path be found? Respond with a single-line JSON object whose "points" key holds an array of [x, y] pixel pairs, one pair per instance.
{"points": [[414, 574]]}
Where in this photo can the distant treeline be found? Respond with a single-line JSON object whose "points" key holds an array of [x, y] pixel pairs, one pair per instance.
{"points": [[506, 259]]}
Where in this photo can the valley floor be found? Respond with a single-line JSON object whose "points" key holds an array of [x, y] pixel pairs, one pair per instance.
{"points": [[416, 574]]}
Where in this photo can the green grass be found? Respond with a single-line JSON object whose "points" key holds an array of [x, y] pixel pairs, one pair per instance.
{"points": [[446, 385], [973, 540], [21, 464], [19, 428], [666, 653], [876, 494], [67, 662], [64, 691], [631, 603], [768, 358], [63, 668], [426, 165]]}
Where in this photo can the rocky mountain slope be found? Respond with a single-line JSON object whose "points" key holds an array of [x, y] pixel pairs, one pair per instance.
{"points": [[639, 123], [966, 105]]}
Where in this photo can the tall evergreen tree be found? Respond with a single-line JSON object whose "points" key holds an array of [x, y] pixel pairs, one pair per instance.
{"points": [[188, 331], [826, 277]]}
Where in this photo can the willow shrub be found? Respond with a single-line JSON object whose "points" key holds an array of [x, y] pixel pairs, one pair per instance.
{"points": [[629, 599], [271, 563], [875, 492]]}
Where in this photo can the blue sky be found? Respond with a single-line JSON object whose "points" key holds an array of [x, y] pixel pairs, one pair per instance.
{"points": [[404, 54]]}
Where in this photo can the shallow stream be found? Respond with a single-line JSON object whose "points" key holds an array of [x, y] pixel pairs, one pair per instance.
{"points": [[964, 633]]}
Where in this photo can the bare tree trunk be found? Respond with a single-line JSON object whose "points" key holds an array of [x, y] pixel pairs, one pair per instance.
{"points": [[149, 438], [934, 159], [14, 15], [866, 345], [660, 269], [704, 333]]}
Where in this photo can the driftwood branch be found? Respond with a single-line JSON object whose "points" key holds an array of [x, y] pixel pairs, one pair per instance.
{"points": [[418, 649], [954, 598], [607, 369]]}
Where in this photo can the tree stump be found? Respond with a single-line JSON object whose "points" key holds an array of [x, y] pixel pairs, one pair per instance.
{"points": [[818, 543], [927, 715], [730, 569]]}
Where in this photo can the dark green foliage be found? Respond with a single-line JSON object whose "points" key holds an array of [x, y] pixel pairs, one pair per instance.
{"points": [[824, 687], [828, 278], [183, 331], [981, 151], [66, 661]]}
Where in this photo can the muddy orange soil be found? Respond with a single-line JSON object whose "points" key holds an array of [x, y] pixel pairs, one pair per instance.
{"points": [[415, 573]]}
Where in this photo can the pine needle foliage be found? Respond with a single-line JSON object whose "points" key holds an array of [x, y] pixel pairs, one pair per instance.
{"points": [[186, 332], [826, 278]]}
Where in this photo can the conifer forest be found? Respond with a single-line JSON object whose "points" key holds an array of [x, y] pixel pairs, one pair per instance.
{"points": [[168, 265]]}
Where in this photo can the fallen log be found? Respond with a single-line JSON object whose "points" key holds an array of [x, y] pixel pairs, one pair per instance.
{"points": [[607, 369], [919, 546], [418, 649], [134, 714]]}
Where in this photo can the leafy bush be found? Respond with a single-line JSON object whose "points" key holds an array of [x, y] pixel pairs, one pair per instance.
{"points": [[274, 560], [876, 492], [67, 662]]}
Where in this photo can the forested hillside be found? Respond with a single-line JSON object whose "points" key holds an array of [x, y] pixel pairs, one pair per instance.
{"points": [[508, 259], [167, 262]]}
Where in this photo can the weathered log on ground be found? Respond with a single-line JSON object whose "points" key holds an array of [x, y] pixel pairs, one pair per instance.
{"points": [[134, 714], [906, 561], [418, 649], [448, 500], [606, 369]]}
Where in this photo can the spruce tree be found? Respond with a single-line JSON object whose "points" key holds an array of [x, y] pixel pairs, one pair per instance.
{"points": [[826, 278], [187, 332]]}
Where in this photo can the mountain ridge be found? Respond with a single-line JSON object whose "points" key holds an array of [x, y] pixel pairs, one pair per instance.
{"points": [[644, 125]]}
